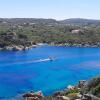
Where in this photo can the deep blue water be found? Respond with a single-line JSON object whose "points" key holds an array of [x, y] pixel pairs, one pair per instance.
{"points": [[22, 71]]}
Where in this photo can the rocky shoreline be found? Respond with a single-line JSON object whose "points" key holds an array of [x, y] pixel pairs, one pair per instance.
{"points": [[75, 45], [17, 48], [12, 42], [84, 90], [22, 47]]}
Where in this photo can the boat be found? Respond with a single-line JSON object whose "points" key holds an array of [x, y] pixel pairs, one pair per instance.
{"points": [[52, 58], [45, 60]]}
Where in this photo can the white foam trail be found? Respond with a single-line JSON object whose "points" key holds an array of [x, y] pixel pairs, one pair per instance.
{"points": [[43, 60], [26, 62]]}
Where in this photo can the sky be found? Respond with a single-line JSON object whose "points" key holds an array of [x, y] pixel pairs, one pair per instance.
{"points": [[56, 9]]}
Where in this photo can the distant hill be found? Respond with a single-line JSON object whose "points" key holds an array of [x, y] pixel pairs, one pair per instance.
{"points": [[28, 20], [79, 21], [72, 21], [69, 32]]}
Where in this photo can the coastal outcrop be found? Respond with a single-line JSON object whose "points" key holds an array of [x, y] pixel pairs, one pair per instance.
{"points": [[12, 42], [84, 90]]}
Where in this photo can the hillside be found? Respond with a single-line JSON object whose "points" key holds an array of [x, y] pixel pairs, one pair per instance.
{"points": [[72, 21], [70, 32], [80, 21]]}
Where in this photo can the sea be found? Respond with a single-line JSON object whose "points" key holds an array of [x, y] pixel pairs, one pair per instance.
{"points": [[46, 68]]}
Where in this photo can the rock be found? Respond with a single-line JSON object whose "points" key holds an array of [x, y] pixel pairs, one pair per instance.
{"points": [[33, 96], [79, 95], [34, 46], [1, 49], [92, 86], [8, 48], [90, 97], [70, 87], [74, 96], [81, 83], [17, 48], [63, 98], [77, 31], [26, 48], [59, 93]]}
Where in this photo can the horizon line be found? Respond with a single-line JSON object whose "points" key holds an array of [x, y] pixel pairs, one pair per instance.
{"points": [[47, 18]]}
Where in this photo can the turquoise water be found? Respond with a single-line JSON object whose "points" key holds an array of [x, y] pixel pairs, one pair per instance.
{"points": [[23, 71]]}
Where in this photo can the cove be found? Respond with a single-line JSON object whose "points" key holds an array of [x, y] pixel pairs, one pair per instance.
{"points": [[23, 71]]}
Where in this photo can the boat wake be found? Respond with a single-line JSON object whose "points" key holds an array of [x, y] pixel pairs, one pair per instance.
{"points": [[43, 60], [29, 61]]}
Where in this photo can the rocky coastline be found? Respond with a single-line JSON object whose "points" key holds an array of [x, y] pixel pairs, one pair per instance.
{"points": [[21, 47], [75, 45], [84, 90], [17, 42], [17, 48], [13, 42]]}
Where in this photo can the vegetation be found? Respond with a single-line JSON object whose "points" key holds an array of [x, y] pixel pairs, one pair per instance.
{"points": [[93, 87], [71, 32]]}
